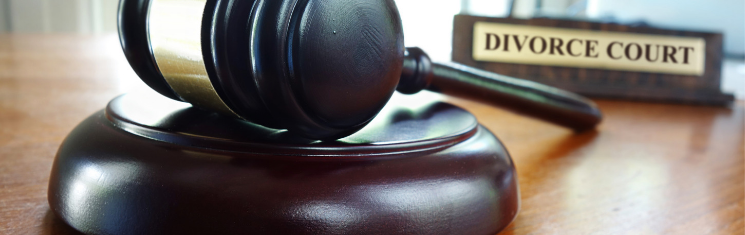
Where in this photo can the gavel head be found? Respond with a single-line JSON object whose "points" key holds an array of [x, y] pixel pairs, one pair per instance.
{"points": [[320, 68]]}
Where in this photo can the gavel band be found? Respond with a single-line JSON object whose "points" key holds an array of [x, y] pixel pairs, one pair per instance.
{"points": [[175, 32]]}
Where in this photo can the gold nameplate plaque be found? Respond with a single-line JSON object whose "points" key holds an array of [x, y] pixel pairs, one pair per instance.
{"points": [[597, 59], [588, 49]]}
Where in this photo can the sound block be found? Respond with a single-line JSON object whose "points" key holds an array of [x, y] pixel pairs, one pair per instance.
{"points": [[157, 166]]}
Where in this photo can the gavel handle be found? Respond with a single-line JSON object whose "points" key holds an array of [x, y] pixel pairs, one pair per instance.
{"points": [[522, 96]]}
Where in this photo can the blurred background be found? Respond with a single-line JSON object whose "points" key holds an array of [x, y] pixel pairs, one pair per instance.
{"points": [[428, 23]]}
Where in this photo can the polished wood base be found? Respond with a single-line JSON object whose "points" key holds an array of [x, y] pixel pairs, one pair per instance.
{"points": [[156, 166]]}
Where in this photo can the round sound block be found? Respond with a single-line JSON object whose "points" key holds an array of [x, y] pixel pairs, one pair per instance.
{"points": [[156, 166]]}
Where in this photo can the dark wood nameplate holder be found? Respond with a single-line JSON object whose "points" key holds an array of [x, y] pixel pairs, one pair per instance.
{"points": [[604, 83], [156, 166]]}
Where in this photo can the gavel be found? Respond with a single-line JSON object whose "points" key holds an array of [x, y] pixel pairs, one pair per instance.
{"points": [[322, 69]]}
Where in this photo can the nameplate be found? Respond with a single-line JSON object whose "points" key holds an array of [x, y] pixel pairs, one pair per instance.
{"points": [[523, 44], [597, 59]]}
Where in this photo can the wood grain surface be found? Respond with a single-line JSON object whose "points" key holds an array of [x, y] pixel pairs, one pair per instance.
{"points": [[649, 168]]}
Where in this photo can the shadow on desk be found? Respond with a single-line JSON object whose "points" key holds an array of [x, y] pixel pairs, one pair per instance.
{"points": [[54, 225], [571, 144]]}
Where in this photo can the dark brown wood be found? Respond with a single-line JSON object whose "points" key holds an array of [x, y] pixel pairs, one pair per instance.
{"points": [[323, 69], [525, 97], [157, 166], [642, 86], [649, 169]]}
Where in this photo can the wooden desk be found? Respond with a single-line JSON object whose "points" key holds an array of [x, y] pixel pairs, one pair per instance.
{"points": [[648, 169]]}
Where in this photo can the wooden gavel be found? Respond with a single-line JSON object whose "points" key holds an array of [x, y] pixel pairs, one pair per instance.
{"points": [[320, 68]]}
